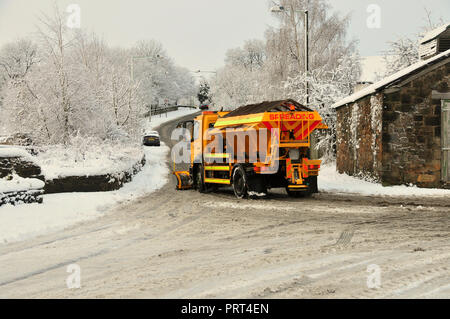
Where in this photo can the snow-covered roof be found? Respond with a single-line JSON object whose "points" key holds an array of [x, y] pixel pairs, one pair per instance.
{"points": [[435, 33], [151, 133], [391, 79]]}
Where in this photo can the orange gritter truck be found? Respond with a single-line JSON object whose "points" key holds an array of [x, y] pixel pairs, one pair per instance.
{"points": [[253, 148]]}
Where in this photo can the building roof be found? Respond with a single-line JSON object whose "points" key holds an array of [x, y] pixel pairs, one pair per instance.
{"points": [[392, 79], [273, 106], [433, 34]]}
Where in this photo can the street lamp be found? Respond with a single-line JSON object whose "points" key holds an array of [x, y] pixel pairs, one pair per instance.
{"points": [[281, 9]]}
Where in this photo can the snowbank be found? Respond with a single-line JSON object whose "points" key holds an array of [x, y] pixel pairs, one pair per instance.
{"points": [[58, 161], [62, 210], [332, 182], [18, 184], [9, 152]]}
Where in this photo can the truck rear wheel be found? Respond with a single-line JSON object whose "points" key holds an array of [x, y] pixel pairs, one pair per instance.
{"points": [[200, 179], [240, 185], [313, 185], [257, 187]]}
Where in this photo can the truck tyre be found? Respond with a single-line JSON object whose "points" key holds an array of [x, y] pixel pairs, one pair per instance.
{"points": [[313, 185], [257, 187], [200, 179], [240, 185]]}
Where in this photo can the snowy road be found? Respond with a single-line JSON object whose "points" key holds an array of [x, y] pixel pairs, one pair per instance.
{"points": [[183, 244]]}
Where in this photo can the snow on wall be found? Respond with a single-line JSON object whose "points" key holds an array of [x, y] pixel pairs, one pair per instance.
{"points": [[59, 161], [377, 127], [359, 150], [10, 152], [18, 184], [354, 124]]}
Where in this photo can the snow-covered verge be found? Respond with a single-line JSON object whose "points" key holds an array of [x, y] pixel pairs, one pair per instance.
{"points": [[18, 184], [92, 159], [62, 210], [333, 182], [7, 151]]}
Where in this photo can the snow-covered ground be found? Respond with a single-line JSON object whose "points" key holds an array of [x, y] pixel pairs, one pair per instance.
{"points": [[18, 184], [96, 159], [7, 151], [331, 181], [62, 210]]}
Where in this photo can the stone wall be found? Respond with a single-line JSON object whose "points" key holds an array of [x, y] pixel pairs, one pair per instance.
{"points": [[395, 137], [96, 183], [359, 138], [412, 131], [25, 169], [23, 197], [20, 166]]}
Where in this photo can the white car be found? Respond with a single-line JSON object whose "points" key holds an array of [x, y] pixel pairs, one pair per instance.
{"points": [[151, 138]]}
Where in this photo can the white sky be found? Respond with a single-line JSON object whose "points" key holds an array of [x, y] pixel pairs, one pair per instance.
{"points": [[197, 33]]}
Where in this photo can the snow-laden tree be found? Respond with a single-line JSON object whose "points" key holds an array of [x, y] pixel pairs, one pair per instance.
{"points": [[327, 38], [204, 91], [402, 53], [161, 81], [281, 57], [251, 56], [17, 58], [79, 87], [235, 85], [244, 79], [326, 86]]}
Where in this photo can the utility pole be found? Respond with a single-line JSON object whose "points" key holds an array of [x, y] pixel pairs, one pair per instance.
{"points": [[307, 54], [281, 9]]}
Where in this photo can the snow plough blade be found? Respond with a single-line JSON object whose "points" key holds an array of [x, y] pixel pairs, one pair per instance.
{"points": [[184, 180]]}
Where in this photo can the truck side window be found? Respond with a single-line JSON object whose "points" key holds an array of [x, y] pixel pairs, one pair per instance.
{"points": [[196, 130]]}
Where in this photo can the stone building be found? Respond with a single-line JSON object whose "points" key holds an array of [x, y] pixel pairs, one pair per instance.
{"points": [[397, 130]]}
